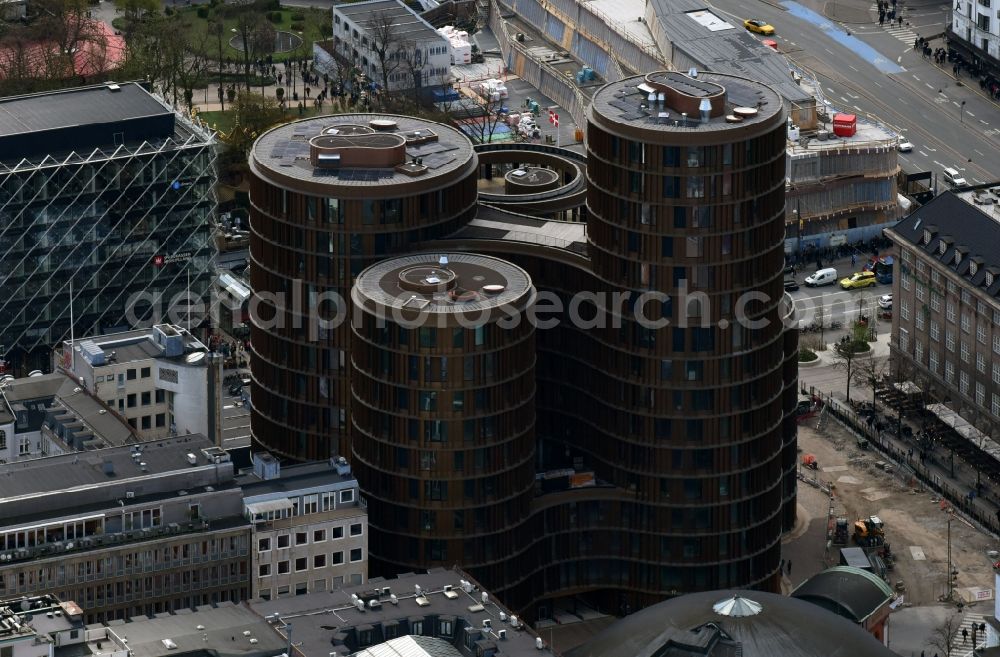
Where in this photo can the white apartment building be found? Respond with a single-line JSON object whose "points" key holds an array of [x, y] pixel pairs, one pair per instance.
{"points": [[309, 530], [420, 56], [975, 24], [161, 380]]}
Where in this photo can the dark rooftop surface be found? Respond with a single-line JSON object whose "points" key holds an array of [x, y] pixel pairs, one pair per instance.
{"points": [[849, 592], [135, 345], [689, 626], [294, 477], [967, 225], [85, 120], [495, 224], [210, 630], [328, 621], [723, 49], [67, 394], [76, 107], [406, 24], [621, 102], [284, 150], [24, 479], [469, 282]]}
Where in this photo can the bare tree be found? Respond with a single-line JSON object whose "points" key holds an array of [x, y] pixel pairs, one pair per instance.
{"points": [[869, 372], [218, 30], [846, 352], [255, 32], [944, 636], [386, 44], [480, 116]]}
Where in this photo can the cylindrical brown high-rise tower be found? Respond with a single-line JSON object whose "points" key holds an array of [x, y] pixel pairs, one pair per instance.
{"points": [[329, 196], [686, 213], [443, 411]]}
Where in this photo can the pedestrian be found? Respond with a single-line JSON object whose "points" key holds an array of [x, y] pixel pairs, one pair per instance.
{"points": [[900, 19], [854, 260], [781, 566], [965, 635], [789, 566]]}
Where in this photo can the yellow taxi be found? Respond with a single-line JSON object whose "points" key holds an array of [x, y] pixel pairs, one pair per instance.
{"points": [[758, 26], [858, 280]]}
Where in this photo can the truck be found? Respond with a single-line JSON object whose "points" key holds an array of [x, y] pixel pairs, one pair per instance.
{"points": [[840, 534]]}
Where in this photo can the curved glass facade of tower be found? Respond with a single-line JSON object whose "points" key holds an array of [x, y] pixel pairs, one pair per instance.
{"points": [[444, 415], [686, 214], [330, 196], [641, 442]]}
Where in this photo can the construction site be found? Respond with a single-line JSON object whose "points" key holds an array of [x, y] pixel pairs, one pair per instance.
{"points": [[859, 510]]}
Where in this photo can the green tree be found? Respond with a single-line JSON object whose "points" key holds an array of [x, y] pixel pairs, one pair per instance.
{"points": [[135, 12], [255, 113]]}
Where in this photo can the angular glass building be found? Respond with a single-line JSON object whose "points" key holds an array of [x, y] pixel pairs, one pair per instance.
{"points": [[106, 196]]}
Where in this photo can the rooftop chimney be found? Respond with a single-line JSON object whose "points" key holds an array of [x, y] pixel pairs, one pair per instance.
{"points": [[705, 107]]}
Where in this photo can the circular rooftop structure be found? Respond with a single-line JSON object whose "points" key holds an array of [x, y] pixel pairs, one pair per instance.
{"points": [[748, 623], [670, 101], [445, 284], [349, 155]]}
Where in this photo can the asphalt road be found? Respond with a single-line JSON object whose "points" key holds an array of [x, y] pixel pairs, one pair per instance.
{"points": [[866, 69], [235, 422]]}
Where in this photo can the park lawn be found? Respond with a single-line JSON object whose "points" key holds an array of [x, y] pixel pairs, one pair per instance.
{"points": [[223, 121], [201, 39]]}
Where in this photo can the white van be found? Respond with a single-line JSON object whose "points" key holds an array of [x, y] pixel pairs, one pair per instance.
{"points": [[954, 178], [826, 276]]}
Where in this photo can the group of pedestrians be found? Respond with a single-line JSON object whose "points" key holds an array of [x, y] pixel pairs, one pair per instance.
{"points": [[887, 14]]}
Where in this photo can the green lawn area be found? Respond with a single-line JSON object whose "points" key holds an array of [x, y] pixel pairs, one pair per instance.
{"points": [[223, 121], [311, 20]]}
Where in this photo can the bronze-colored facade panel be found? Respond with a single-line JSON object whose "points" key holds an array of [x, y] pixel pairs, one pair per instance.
{"points": [[617, 455]]}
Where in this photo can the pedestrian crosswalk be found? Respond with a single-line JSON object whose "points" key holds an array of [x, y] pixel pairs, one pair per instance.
{"points": [[904, 34], [961, 644]]}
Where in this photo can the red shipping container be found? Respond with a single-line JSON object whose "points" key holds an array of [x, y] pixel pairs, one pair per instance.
{"points": [[845, 125]]}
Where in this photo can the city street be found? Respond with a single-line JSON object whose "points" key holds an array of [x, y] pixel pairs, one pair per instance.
{"points": [[833, 304], [868, 69]]}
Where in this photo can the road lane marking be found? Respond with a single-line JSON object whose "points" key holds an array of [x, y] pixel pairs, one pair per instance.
{"points": [[980, 152]]}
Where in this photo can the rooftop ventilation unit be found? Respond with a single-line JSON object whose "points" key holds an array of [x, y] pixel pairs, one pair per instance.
{"points": [[692, 72]]}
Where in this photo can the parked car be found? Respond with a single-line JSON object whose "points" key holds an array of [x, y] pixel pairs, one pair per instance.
{"points": [[758, 26], [791, 285], [904, 146], [859, 280], [885, 301]]}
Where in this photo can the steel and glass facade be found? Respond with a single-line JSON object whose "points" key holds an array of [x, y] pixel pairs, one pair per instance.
{"points": [[78, 211]]}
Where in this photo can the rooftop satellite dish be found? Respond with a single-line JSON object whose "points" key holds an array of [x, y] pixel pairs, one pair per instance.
{"points": [[692, 72]]}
